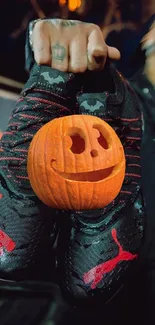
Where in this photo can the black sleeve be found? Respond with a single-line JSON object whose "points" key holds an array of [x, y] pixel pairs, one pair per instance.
{"points": [[27, 226], [29, 57], [146, 93]]}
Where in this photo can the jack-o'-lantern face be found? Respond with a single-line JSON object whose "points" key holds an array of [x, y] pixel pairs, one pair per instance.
{"points": [[78, 163]]}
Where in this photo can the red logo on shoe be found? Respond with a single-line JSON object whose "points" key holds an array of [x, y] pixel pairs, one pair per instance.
{"points": [[95, 275], [6, 242]]}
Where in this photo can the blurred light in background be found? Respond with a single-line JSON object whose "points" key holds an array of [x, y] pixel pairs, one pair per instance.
{"points": [[62, 2], [73, 5]]}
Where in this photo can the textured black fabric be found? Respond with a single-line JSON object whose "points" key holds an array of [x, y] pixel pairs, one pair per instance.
{"points": [[146, 94], [17, 309], [30, 225], [86, 243]]}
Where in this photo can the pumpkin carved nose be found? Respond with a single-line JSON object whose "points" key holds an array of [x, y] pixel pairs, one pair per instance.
{"points": [[94, 153]]}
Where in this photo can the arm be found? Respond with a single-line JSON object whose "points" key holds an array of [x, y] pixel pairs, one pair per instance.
{"points": [[27, 226], [144, 85], [144, 80]]}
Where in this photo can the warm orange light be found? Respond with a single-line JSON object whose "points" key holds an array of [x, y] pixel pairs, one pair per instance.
{"points": [[62, 2], [74, 4], [78, 3]]}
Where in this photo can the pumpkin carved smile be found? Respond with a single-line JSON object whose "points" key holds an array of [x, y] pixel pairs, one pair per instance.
{"points": [[76, 162], [93, 176]]}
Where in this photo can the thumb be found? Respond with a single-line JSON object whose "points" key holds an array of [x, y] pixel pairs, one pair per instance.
{"points": [[113, 53]]}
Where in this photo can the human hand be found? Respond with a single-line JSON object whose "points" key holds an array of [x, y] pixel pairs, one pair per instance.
{"points": [[70, 45], [148, 44]]}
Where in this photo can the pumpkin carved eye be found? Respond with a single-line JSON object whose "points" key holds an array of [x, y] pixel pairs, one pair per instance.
{"points": [[78, 144], [102, 141]]}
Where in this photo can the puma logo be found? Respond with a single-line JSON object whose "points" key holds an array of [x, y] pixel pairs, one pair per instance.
{"points": [[6, 242], [95, 275], [92, 108], [52, 80]]}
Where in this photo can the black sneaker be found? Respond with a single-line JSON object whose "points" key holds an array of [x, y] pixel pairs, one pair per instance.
{"points": [[28, 227], [98, 250]]}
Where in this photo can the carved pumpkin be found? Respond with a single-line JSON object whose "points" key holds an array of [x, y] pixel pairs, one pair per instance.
{"points": [[76, 162]]}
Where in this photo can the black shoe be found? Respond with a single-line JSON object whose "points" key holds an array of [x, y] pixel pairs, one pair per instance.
{"points": [[98, 250], [28, 227]]}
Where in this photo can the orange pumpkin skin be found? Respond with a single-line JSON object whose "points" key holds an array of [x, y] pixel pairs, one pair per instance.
{"points": [[76, 162], [1, 134]]}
